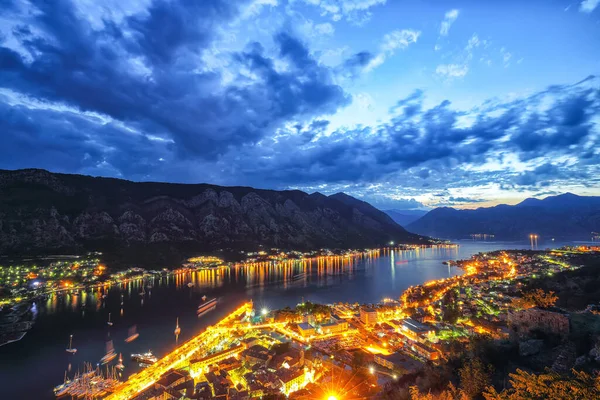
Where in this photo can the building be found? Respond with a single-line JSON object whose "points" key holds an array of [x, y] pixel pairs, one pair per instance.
{"points": [[368, 315], [199, 364], [415, 330], [306, 329], [398, 362], [425, 351], [334, 327], [257, 354], [291, 380]]}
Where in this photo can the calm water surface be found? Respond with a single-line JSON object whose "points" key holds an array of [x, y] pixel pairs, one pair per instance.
{"points": [[30, 368]]}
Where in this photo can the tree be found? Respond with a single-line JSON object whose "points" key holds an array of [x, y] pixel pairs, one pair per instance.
{"points": [[358, 360], [535, 298], [474, 377], [548, 386], [450, 393]]}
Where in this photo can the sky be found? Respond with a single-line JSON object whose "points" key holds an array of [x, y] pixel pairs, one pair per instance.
{"points": [[403, 103]]}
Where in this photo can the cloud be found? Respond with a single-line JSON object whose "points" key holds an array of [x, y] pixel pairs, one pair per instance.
{"points": [[587, 6], [447, 22], [452, 70], [556, 122], [452, 201], [145, 74], [353, 11], [398, 39], [324, 29]]}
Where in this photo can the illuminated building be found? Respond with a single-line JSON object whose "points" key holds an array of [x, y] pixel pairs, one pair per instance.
{"points": [[424, 351], [292, 380], [415, 330], [368, 315], [334, 327], [306, 329], [197, 365]]}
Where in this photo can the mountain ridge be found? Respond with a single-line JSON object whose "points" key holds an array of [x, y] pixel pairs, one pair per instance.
{"points": [[41, 211], [566, 216]]}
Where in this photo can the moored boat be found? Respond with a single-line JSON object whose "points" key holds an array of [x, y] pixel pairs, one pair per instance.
{"points": [[71, 349], [132, 335], [144, 359], [206, 307]]}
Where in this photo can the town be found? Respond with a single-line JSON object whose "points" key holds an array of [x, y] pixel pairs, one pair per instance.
{"points": [[341, 351]]}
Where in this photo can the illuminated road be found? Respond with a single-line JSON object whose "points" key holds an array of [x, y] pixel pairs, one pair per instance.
{"points": [[145, 378]]}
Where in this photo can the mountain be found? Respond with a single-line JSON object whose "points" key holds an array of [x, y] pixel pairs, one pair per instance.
{"points": [[42, 212], [405, 217], [566, 216]]}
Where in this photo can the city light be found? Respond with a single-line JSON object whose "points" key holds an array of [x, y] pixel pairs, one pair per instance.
{"points": [[264, 311], [371, 370]]}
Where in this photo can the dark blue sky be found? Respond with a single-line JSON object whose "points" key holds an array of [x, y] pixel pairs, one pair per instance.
{"points": [[402, 103]]}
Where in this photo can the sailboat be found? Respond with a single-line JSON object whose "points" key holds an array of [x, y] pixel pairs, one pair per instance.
{"points": [[120, 364], [132, 335], [121, 299], [109, 321], [177, 328], [71, 349], [110, 353]]}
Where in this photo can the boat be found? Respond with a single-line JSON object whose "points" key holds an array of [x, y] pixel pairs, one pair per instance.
{"points": [[109, 323], [132, 335], [206, 307], [177, 328], [204, 298], [120, 364], [144, 359], [190, 284], [71, 349], [121, 299], [110, 353], [142, 293], [63, 387]]}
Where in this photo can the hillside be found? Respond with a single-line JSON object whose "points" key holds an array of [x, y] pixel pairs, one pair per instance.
{"points": [[405, 217], [566, 216], [48, 212]]}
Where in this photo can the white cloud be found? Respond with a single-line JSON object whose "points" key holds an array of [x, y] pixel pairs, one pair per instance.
{"points": [[324, 29], [255, 7], [449, 19], [587, 6], [398, 39], [452, 70], [352, 10]]}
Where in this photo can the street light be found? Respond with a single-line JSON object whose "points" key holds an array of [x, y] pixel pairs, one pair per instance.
{"points": [[372, 370], [264, 311]]}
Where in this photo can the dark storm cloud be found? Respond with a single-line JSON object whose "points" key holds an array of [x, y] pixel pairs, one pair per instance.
{"points": [[434, 139], [145, 72]]}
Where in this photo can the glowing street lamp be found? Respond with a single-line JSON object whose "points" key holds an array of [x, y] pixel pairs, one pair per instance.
{"points": [[264, 311], [371, 370]]}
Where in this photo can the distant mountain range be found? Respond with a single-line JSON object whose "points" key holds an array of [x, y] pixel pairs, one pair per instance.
{"points": [[405, 217], [43, 212], [566, 216]]}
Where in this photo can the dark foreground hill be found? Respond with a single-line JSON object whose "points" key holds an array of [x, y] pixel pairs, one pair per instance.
{"points": [[47, 212], [566, 216]]}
